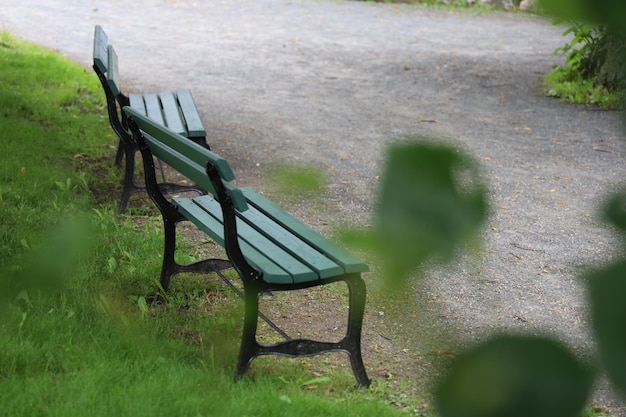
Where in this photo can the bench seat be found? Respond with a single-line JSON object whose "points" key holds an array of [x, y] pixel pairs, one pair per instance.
{"points": [[174, 109], [272, 241]]}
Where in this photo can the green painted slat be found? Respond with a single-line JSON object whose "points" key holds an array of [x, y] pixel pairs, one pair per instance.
{"points": [[349, 262], [195, 152], [324, 266], [182, 164], [100, 53], [153, 108], [137, 103], [215, 229], [113, 73], [195, 128], [192, 170], [207, 223], [298, 270], [173, 118]]}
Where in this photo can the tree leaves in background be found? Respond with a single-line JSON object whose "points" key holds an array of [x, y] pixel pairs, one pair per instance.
{"points": [[610, 12], [431, 201], [515, 376]]}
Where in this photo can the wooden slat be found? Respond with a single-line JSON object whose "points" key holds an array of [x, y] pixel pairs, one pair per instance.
{"points": [[153, 108], [113, 73], [181, 163], [137, 103], [100, 53], [192, 170], [289, 242], [215, 229], [171, 113], [195, 128], [299, 271], [349, 262]]}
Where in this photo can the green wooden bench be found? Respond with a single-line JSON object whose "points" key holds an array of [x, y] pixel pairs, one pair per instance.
{"points": [[174, 109], [270, 249]]}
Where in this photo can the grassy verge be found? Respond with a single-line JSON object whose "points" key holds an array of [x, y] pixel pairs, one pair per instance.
{"points": [[76, 337], [574, 89]]}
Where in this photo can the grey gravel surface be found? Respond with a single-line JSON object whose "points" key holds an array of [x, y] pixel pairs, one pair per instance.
{"points": [[330, 83]]}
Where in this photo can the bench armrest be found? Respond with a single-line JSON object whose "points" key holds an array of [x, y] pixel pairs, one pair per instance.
{"points": [[231, 241]]}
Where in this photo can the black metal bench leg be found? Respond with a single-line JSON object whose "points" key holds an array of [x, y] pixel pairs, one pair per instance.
{"points": [[169, 266], [249, 346], [128, 188], [120, 153], [352, 341]]}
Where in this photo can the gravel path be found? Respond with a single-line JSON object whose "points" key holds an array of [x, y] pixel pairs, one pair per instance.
{"points": [[330, 83]]}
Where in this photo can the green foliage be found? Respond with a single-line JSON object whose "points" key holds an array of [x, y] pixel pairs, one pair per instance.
{"points": [[607, 287], [515, 376], [432, 202], [296, 182], [561, 84], [593, 67], [417, 220], [604, 12], [580, 49], [615, 212]]}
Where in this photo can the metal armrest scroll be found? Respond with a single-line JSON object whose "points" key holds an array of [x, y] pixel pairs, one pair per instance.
{"points": [[231, 241]]}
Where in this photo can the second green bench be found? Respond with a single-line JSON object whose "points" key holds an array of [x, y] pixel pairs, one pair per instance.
{"points": [[174, 109]]}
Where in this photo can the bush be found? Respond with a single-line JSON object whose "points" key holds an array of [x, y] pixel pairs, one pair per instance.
{"points": [[593, 68]]}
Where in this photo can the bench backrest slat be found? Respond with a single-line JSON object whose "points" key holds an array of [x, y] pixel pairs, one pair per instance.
{"points": [[100, 53], [181, 144], [192, 170], [187, 157], [113, 72], [181, 163]]}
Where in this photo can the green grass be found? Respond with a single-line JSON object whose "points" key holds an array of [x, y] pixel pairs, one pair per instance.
{"points": [[573, 89], [76, 338]]}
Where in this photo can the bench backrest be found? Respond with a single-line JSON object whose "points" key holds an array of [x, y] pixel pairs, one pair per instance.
{"points": [[100, 53], [105, 59], [186, 156]]}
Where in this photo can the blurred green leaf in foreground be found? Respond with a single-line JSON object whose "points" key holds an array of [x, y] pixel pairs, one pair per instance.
{"points": [[432, 201], [515, 376]]}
